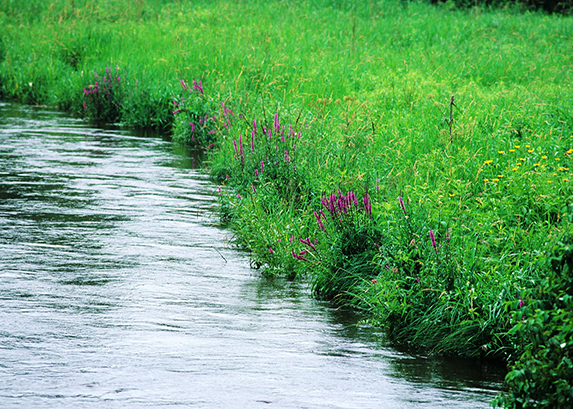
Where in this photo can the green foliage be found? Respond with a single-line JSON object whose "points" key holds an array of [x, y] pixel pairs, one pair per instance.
{"points": [[542, 377]]}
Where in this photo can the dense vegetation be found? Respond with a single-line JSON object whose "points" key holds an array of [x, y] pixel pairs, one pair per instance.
{"points": [[412, 161]]}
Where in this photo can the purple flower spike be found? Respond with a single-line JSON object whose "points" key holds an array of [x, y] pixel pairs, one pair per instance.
{"points": [[235, 146], [262, 166], [277, 122], [257, 173], [433, 238], [402, 204], [521, 303], [182, 84], [271, 250], [320, 223]]}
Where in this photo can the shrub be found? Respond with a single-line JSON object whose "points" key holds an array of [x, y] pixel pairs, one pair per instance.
{"points": [[543, 375]]}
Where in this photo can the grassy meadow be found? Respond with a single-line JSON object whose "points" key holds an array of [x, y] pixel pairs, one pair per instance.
{"points": [[413, 161]]}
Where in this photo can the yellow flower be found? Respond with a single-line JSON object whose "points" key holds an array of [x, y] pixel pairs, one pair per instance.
{"points": [[544, 157], [487, 162], [560, 168], [517, 146], [514, 169], [512, 150], [522, 159], [565, 180], [518, 164], [570, 151], [495, 180], [501, 152], [555, 174], [549, 181], [499, 176], [486, 180], [452, 194], [565, 168], [530, 151], [528, 146], [536, 164], [557, 159]]}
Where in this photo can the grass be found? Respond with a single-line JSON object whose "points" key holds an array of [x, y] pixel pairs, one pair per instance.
{"points": [[357, 98]]}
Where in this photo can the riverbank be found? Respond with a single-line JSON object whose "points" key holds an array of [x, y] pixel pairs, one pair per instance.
{"points": [[411, 161]]}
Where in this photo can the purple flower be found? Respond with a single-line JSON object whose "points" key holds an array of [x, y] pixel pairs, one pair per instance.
{"points": [[192, 126], [402, 204], [238, 196], [521, 303], [182, 84], [176, 111], [277, 122], [433, 238], [253, 140], [213, 131], [257, 173], [255, 191], [262, 166], [320, 223], [287, 158], [235, 146], [271, 250], [254, 126]]}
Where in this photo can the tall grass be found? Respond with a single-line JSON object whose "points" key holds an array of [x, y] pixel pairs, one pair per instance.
{"points": [[357, 97]]}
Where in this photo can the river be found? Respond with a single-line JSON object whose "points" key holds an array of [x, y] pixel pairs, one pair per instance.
{"points": [[119, 290]]}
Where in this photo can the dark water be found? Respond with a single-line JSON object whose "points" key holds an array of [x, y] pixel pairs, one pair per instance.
{"points": [[116, 290]]}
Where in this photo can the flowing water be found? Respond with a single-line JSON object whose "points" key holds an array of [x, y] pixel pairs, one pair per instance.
{"points": [[117, 290]]}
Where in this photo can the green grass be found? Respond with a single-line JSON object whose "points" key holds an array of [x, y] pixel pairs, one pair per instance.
{"points": [[366, 88]]}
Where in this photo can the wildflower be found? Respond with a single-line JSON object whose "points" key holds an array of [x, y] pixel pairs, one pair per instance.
{"points": [[271, 250], [182, 84], [262, 166], [557, 159], [287, 158], [549, 181], [255, 190], [570, 151], [499, 176], [219, 189], [495, 180], [486, 180], [501, 152], [176, 111], [298, 256], [528, 146], [377, 185], [235, 146], [238, 196], [417, 280], [544, 157], [433, 238], [530, 150], [521, 159], [536, 164], [257, 173], [277, 122], [452, 194], [402, 204], [517, 146], [487, 162], [512, 150], [319, 221], [374, 281], [213, 131], [192, 126], [565, 180], [521, 303], [514, 169], [253, 141]]}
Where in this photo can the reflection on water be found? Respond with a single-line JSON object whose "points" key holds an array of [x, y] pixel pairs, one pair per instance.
{"points": [[118, 290]]}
